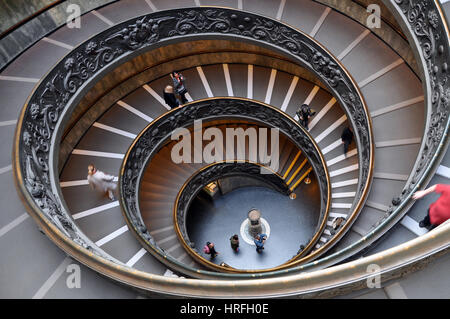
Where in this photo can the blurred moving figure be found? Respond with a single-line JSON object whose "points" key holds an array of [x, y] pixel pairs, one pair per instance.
{"points": [[347, 138], [439, 211], [170, 98], [101, 181]]}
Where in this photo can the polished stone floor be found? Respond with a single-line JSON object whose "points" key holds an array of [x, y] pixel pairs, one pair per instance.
{"points": [[292, 223]]}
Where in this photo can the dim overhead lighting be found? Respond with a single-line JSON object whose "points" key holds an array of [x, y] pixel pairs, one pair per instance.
{"points": [[293, 196]]}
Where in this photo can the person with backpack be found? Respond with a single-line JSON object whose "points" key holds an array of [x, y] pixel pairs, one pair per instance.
{"points": [[304, 113], [209, 249], [234, 241], [179, 85]]}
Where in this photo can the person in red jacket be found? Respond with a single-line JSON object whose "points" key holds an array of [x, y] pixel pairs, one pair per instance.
{"points": [[439, 211]]}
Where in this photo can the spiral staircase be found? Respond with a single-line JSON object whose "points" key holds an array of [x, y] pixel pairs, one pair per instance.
{"points": [[402, 90]]}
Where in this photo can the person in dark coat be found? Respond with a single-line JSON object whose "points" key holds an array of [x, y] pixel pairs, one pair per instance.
{"points": [[234, 241], [347, 138], [179, 85], [304, 113], [170, 98]]}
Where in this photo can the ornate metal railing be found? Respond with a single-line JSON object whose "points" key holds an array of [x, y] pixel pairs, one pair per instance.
{"points": [[157, 133], [51, 103]]}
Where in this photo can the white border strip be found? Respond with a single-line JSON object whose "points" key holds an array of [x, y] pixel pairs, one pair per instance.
{"points": [[397, 106], [320, 22], [5, 169], [58, 43], [226, 72], [95, 210], [443, 171], [332, 146], [378, 206], [81, 182], [13, 224], [333, 215], [74, 183], [114, 130], [177, 245], [204, 81], [352, 45], [102, 17], [99, 154], [273, 75], [360, 231], [322, 113], [151, 5], [134, 111], [413, 226], [7, 123], [280, 9], [344, 170], [136, 257], [250, 82], [343, 195], [407, 141], [343, 157], [161, 230], [156, 95], [341, 205], [18, 79], [52, 279], [182, 256], [111, 236], [289, 93], [380, 73], [165, 240], [395, 291], [396, 177], [345, 183], [331, 128]]}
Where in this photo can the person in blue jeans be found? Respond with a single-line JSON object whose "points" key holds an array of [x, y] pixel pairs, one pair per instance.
{"points": [[259, 242]]}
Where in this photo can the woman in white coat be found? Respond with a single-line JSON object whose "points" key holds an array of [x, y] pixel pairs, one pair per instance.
{"points": [[101, 181]]}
